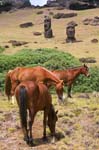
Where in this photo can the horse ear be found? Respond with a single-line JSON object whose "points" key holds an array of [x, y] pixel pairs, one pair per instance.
{"points": [[56, 112], [85, 65]]}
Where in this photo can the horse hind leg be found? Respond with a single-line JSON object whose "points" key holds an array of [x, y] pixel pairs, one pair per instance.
{"points": [[31, 120], [44, 124], [26, 137]]}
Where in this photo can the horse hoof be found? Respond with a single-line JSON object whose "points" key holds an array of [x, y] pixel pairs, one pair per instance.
{"points": [[53, 140], [45, 139], [31, 143], [26, 139], [69, 96]]}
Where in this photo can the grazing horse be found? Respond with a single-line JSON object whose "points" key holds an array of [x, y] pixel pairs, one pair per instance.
{"points": [[38, 74], [34, 97], [69, 76]]}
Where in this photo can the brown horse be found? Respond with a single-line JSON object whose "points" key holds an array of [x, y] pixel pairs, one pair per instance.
{"points": [[38, 74], [35, 97], [69, 75]]}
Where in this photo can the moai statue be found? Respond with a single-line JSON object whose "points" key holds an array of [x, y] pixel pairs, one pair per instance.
{"points": [[47, 27], [70, 31]]}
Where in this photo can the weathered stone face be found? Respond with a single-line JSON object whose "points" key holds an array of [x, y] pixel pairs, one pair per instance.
{"points": [[70, 32], [47, 27], [47, 23]]}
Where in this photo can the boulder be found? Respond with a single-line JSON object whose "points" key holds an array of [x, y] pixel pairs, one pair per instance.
{"points": [[26, 25], [63, 15], [87, 60], [17, 43], [37, 33], [91, 21], [94, 40]]}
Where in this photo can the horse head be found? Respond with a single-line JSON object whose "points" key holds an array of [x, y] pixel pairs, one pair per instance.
{"points": [[85, 70], [59, 90], [52, 119]]}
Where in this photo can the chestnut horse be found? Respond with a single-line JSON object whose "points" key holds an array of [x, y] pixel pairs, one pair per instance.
{"points": [[34, 97], [19, 74], [69, 76]]}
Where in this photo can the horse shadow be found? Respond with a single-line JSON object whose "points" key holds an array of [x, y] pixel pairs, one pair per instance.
{"points": [[40, 141]]}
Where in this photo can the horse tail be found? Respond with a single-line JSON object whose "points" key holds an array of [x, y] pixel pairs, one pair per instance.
{"points": [[23, 106], [8, 86]]}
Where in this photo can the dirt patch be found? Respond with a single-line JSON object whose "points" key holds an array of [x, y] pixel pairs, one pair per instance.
{"points": [[77, 126]]}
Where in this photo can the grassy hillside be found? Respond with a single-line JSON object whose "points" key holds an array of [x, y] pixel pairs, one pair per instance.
{"points": [[10, 30]]}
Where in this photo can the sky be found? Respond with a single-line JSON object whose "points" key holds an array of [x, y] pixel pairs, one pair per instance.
{"points": [[38, 2]]}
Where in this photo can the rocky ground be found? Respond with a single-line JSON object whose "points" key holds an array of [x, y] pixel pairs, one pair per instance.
{"points": [[77, 127]]}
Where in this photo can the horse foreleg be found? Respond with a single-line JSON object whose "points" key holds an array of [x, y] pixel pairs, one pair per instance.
{"points": [[69, 91], [44, 124], [13, 100]]}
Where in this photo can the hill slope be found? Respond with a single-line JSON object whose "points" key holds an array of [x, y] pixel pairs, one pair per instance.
{"points": [[10, 30]]}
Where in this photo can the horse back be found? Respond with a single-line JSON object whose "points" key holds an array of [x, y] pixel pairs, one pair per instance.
{"points": [[62, 74], [44, 93], [38, 96], [32, 74]]}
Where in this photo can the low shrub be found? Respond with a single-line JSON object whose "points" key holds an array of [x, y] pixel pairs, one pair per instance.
{"points": [[51, 59]]}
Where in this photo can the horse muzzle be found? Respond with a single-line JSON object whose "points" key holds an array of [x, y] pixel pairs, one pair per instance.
{"points": [[88, 75], [60, 99]]}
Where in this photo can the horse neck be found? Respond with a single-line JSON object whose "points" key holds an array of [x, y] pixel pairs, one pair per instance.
{"points": [[77, 71], [51, 77]]}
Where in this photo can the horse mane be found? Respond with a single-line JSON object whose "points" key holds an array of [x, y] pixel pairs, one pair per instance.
{"points": [[71, 68], [50, 72], [76, 67]]}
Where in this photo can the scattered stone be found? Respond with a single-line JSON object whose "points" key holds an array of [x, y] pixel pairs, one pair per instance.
{"points": [[51, 13], [1, 111], [60, 8], [94, 40], [56, 47], [62, 15], [87, 60], [91, 21], [17, 43], [26, 25], [84, 95], [40, 12], [6, 46], [37, 33], [35, 42]]}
